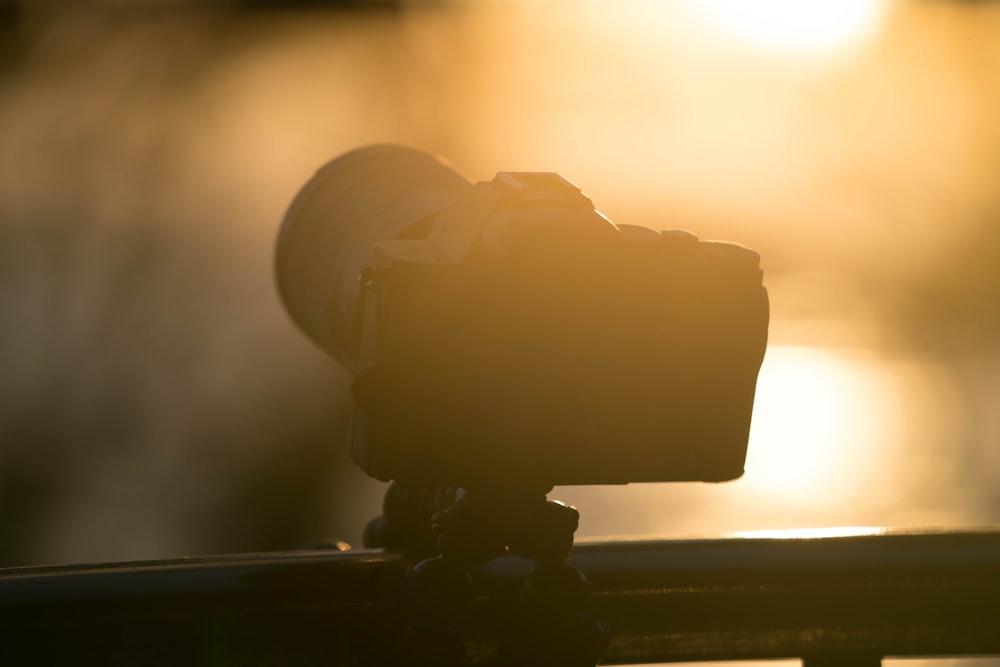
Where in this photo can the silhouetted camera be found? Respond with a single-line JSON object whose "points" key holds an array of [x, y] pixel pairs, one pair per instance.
{"points": [[506, 333]]}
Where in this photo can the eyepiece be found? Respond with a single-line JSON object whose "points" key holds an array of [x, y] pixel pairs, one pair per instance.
{"points": [[371, 194]]}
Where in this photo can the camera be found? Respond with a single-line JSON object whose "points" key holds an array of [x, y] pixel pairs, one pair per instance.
{"points": [[507, 334]]}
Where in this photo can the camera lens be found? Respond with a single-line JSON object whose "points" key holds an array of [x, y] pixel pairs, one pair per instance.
{"points": [[369, 195]]}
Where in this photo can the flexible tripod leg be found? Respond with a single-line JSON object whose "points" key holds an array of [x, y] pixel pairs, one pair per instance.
{"points": [[550, 624]]}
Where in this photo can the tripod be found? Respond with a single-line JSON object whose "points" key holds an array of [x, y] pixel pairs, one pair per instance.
{"points": [[544, 621]]}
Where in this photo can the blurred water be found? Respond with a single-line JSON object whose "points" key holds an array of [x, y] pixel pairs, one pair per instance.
{"points": [[156, 401]]}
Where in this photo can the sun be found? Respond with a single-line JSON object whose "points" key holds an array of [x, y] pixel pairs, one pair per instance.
{"points": [[793, 26]]}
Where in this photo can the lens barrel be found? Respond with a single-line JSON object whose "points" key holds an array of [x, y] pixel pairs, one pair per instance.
{"points": [[371, 194]]}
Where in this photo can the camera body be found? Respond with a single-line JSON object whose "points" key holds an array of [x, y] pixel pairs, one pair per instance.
{"points": [[516, 337]]}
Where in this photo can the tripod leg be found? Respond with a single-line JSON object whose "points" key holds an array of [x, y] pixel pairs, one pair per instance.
{"points": [[550, 624]]}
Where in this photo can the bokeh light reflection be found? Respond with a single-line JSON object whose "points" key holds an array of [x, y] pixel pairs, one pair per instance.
{"points": [[821, 419]]}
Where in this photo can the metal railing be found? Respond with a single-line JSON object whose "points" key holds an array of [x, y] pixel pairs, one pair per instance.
{"points": [[841, 600]]}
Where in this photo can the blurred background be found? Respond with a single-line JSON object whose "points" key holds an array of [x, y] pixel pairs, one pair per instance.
{"points": [[156, 401]]}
